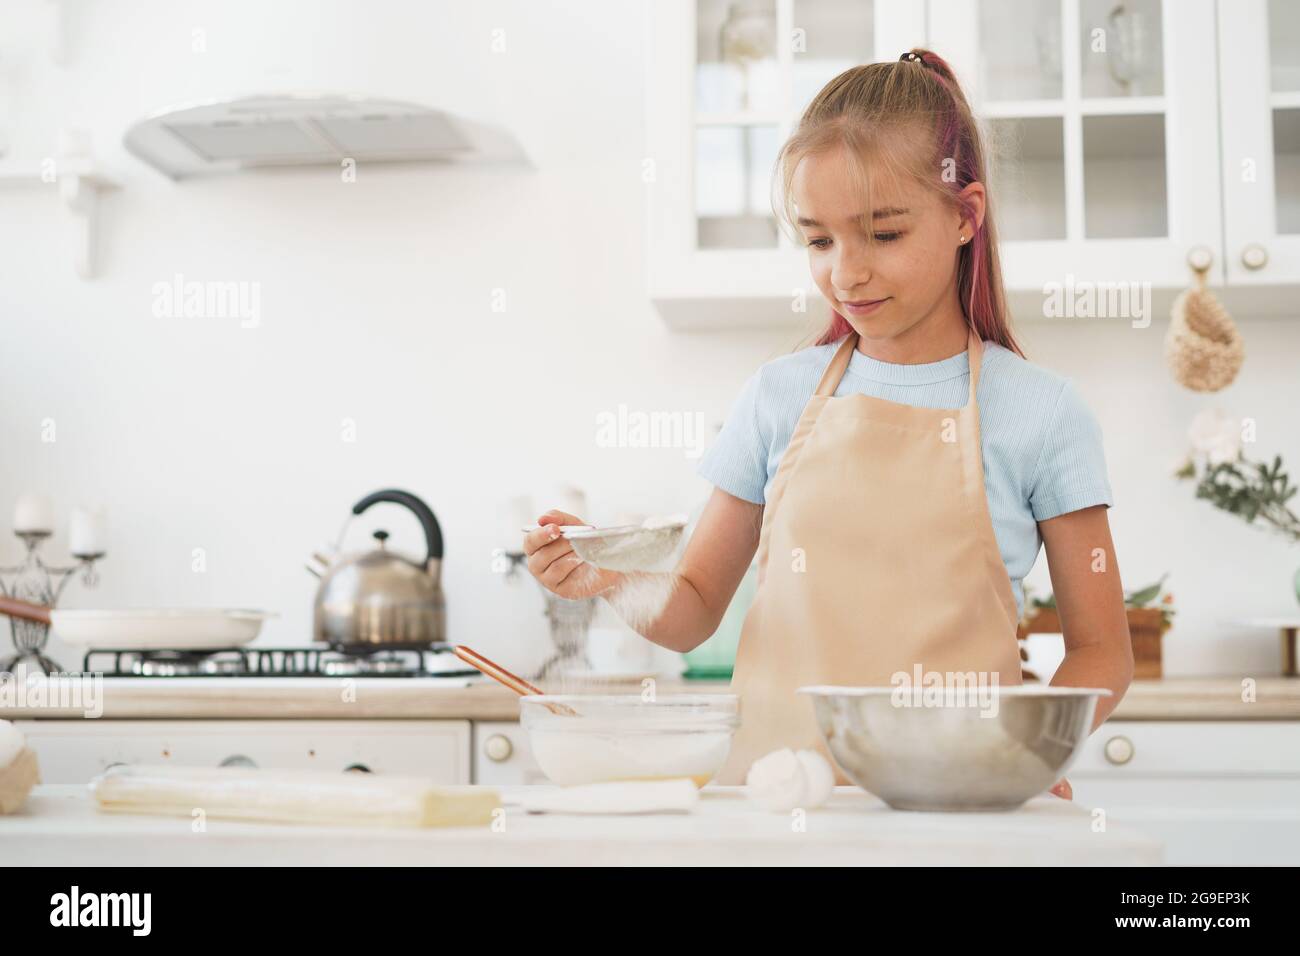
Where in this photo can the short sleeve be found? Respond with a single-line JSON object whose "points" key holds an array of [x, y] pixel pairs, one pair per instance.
{"points": [[736, 462], [1071, 469]]}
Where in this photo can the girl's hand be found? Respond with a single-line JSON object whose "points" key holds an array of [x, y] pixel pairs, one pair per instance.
{"points": [[552, 561], [1063, 789]]}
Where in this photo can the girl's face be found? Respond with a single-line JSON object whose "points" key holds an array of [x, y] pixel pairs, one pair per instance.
{"points": [[908, 274]]}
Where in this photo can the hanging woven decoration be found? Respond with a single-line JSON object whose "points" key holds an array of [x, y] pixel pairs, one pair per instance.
{"points": [[1203, 345]]}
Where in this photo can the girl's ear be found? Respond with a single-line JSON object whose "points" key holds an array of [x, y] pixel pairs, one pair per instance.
{"points": [[974, 200]]}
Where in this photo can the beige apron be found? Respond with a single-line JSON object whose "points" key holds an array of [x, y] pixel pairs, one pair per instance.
{"points": [[876, 554]]}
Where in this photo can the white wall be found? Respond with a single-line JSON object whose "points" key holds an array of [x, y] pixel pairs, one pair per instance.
{"points": [[376, 306]]}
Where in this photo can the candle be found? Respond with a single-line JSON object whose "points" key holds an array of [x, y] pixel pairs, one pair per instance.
{"points": [[87, 533], [571, 500], [33, 513]]}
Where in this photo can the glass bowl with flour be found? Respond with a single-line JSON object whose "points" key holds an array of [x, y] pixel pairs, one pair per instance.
{"points": [[627, 737]]}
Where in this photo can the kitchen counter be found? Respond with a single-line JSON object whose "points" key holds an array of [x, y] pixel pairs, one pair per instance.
{"points": [[1178, 698], [60, 826]]}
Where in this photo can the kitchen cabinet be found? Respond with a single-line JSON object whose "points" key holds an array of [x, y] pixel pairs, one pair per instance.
{"points": [[1126, 140], [74, 751], [1102, 130], [503, 756], [722, 94], [1216, 792], [1259, 76]]}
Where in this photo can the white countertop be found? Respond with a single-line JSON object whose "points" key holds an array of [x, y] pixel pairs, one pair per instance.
{"points": [[60, 826]]}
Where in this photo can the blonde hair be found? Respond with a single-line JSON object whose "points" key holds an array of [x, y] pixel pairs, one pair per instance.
{"points": [[910, 118]]}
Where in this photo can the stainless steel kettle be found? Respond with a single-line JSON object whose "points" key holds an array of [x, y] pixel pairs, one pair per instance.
{"points": [[379, 597]]}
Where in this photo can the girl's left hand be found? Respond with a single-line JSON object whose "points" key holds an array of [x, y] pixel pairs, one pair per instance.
{"points": [[1063, 790]]}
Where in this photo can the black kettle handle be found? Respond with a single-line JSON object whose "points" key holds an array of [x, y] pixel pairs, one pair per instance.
{"points": [[432, 532]]}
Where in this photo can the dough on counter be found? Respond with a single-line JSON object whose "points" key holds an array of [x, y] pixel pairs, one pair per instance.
{"points": [[291, 796]]}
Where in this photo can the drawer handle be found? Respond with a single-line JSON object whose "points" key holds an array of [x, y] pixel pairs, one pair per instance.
{"points": [[1119, 750], [498, 748]]}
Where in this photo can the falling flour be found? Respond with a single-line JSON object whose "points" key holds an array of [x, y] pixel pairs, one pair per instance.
{"points": [[641, 597]]}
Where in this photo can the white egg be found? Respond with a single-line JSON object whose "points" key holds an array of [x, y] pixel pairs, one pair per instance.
{"points": [[11, 743], [819, 778], [777, 781]]}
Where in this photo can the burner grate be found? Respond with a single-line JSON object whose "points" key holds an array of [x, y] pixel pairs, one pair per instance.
{"points": [[313, 660]]}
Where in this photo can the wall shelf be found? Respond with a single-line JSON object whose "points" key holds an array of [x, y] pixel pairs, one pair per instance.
{"points": [[79, 185]]}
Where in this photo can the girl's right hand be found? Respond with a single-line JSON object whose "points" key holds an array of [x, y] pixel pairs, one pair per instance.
{"points": [[552, 561]]}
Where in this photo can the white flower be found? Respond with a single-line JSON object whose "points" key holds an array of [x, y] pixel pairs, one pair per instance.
{"points": [[1216, 435]]}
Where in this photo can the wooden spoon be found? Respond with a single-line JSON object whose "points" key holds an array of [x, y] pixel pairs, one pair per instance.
{"points": [[24, 610], [513, 681]]}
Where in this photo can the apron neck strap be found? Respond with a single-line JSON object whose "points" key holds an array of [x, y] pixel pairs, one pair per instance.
{"points": [[975, 353], [840, 363]]}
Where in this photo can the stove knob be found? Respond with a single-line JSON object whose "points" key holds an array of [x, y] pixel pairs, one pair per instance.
{"points": [[238, 760], [498, 747]]}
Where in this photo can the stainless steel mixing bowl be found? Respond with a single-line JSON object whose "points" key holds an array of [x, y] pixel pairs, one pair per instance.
{"points": [[983, 751]]}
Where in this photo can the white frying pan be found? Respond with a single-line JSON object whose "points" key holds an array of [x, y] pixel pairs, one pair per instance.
{"points": [[144, 628]]}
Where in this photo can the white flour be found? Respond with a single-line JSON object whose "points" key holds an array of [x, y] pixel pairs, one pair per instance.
{"points": [[642, 597], [576, 758], [636, 548], [643, 594], [663, 521]]}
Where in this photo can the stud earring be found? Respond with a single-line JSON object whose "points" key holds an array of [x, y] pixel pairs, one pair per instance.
{"points": [[961, 239]]}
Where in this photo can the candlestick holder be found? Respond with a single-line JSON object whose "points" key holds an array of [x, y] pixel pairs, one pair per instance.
{"points": [[39, 583], [570, 621]]}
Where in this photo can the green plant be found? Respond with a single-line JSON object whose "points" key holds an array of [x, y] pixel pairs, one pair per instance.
{"points": [[1138, 598], [1248, 489]]}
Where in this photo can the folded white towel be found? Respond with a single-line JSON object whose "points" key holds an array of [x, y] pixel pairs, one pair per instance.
{"points": [[650, 796]]}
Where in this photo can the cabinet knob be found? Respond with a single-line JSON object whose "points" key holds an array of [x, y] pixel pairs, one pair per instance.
{"points": [[1254, 256], [1119, 750], [1200, 258], [498, 748]]}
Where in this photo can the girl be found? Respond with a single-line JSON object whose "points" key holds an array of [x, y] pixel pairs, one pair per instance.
{"points": [[899, 477]]}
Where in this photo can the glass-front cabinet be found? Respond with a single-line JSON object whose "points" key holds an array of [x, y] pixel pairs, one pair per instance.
{"points": [[727, 81], [1124, 136], [1259, 47], [1100, 117]]}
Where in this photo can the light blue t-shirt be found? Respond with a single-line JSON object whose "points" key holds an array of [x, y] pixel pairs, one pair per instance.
{"points": [[1041, 444]]}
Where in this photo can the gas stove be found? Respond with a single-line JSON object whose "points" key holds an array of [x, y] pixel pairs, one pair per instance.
{"points": [[312, 660], [384, 709]]}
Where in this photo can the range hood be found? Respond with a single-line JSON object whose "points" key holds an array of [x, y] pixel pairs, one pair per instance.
{"points": [[310, 129]]}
